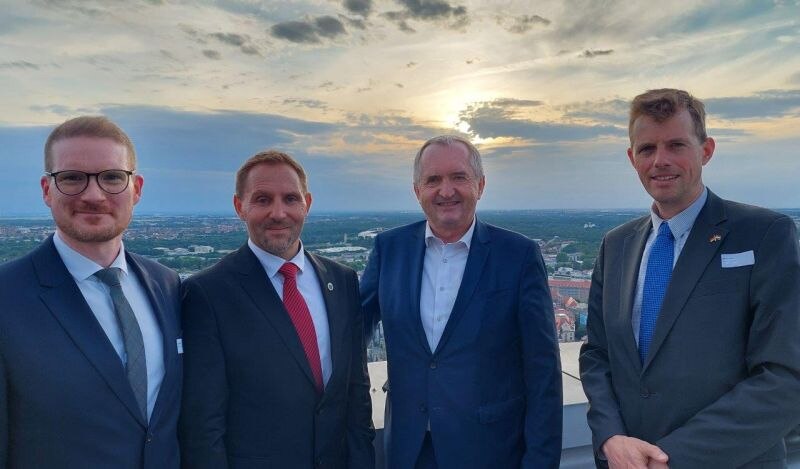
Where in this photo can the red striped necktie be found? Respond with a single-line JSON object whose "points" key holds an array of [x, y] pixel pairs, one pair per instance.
{"points": [[301, 318]]}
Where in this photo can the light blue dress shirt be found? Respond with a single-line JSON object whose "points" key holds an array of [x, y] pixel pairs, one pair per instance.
{"points": [[442, 272], [308, 284], [98, 297], [680, 225]]}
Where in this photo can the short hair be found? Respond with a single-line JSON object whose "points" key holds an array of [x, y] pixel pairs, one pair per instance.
{"points": [[664, 103], [447, 140], [88, 126], [269, 157]]}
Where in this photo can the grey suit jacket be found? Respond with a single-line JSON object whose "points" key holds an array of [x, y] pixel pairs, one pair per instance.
{"points": [[720, 386]]}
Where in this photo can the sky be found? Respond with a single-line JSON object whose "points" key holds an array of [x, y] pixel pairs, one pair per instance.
{"points": [[352, 88]]}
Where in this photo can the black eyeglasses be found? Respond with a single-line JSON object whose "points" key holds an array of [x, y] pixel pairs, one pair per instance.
{"points": [[71, 182]]}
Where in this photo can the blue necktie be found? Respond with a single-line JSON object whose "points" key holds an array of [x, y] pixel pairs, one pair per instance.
{"points": [[656, 279]]}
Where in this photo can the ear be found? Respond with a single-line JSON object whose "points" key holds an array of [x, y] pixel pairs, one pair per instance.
{"points": [[237, 205], [416, 190], [630, 156], [708, 149], [481, 185], [138, 183], [309, 199], [46, 188]]}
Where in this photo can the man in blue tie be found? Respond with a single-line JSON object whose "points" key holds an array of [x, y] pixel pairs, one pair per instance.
{"points": [[692, 359]]}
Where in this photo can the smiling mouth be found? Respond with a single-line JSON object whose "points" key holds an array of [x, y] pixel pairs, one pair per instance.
{"points": [[451, 203], [664, 178]]}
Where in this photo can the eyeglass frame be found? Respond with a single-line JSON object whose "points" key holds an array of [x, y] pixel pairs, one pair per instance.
{"points": [[54, 175]]}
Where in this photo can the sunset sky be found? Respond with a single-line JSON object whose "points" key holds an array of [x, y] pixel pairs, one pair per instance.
{"points": [[352, 88]]}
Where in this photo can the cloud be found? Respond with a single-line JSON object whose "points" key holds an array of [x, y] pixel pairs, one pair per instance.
{"points": [[309, 31], [488, 120], [455, 17], [611, 111], [795, 78], [354, 22], [359, 7], [590, 54], [765, 104], [414, 64], [20, 64], [513, 102], [242, 41], [521, 24], [62, 110], [309, 103], [329, 27], [212, 54]]}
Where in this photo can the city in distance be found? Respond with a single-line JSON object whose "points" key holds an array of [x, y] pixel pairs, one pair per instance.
{"points": [[569, 240]]}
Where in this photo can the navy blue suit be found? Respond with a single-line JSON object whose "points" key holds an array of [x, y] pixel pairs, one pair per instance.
{"points": [[492, 388], [65, 401]]}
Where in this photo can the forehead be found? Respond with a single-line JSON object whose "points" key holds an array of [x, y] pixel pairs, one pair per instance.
{"points": [[89, 153], [679, 126], [273, 177], [438, 158]]}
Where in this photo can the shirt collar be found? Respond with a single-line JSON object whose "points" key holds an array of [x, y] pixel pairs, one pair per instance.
{"points": [[80, 266], [272, 263], [466, 239], [681, 223]]}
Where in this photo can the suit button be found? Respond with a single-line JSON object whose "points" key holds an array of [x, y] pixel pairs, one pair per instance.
{"points": [[319, 462], [422, 408], [433, 365], [149, 437], [644, 393]]}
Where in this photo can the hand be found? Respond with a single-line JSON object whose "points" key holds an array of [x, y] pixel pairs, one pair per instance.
{"points": [[624, 452]]}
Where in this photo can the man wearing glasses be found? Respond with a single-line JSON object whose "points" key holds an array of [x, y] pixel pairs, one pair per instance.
{"points": [[90, 373]]}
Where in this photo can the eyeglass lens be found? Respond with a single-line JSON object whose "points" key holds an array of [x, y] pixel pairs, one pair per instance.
{"points": [[112, 181]]}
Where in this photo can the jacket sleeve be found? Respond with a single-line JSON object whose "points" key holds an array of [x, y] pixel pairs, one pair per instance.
{"points": [[370, 282], [541, 364], [360, 432], [604, 416], [201, 428]]}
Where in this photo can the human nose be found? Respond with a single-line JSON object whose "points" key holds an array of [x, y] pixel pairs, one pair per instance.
{"points": [[661, 157], [446, 188], [278, 211], [93, 190]]}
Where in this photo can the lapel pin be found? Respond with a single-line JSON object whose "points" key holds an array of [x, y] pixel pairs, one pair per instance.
{"points": [[330, 286], [714, 238]]}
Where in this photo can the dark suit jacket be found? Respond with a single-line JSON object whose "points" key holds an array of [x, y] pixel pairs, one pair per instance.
{"points": [[720, 386], [249, 399], [65, 401], [492, 387]]}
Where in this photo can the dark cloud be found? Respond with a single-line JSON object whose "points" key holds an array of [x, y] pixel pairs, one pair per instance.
{"points": [[455, 17], [20, 64], [309, 31], [770, 103], [212, 54], [399, 85], [242, 41], [329, 27], [590, 54], [521, 24], [359, 7], [411, 65], [513, 102], [492, 121], [309, 103], [354, 22]]}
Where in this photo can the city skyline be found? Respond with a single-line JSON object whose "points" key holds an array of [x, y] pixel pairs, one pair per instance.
{"points": [[352, 88]]}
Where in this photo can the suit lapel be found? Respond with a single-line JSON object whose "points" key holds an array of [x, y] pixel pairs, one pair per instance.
{"points": [[694, 258], [254, 281], [155, 295], [417, 260], [633, 249], [478, 252], [65, 301], [336, 306]]}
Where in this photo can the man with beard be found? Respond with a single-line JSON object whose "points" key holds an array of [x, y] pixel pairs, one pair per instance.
{"points": [[276, 372], [90, 372]]}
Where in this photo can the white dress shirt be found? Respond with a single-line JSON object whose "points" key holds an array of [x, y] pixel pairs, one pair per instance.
{"points": [[308, 285], [680, 225], [442, 271], [98, 297]]}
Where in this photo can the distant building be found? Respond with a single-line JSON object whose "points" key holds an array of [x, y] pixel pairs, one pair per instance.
{"points": [[578, 289]]}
